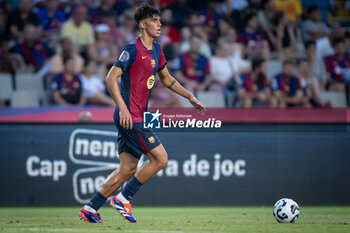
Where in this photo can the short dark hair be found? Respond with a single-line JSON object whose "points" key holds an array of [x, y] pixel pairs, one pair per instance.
{"points": [[248, 17], [301, 60], [347, 34], [288, 62], [145, 11], [257, 62], [66, 59], [309, 43], [312, 8], [338, 40]]}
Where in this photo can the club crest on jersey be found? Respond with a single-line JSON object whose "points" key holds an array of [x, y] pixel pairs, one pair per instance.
{"points": [[124, 56], [151, 139], [150, 82], [153, 63]]}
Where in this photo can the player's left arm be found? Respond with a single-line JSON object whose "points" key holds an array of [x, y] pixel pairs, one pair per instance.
{"points": [[171, 83]]}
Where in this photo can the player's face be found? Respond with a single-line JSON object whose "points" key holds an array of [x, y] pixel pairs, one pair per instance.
{"points": [[153, 26]]}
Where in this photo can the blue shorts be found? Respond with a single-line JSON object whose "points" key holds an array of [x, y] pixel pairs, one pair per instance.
{"points": [[137, 140]]}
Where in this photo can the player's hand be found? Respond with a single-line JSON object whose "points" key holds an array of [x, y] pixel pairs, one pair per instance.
{"points": [[125, 118], [201, 109]]}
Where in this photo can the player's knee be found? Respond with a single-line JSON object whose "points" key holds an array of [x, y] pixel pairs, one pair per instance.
{"points": [[128, 170]]}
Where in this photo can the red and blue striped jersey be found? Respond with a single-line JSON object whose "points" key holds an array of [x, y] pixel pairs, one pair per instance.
{"points": [[334, 66], [287, 85], [253, 86], [140, 67]]}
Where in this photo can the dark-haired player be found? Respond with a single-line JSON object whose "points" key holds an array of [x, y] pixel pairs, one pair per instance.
{"points": [[137, 65]]}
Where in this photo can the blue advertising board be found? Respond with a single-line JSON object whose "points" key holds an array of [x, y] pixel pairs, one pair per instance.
{"points": [[238, 164]]}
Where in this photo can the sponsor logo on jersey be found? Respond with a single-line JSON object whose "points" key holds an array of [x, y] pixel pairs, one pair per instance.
{"points": [[150, 82]]}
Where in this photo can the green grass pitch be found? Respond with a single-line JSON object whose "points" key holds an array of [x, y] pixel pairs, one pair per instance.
{"points": [[174, 219]]}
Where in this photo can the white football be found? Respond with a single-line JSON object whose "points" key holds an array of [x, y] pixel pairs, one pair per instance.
{"points": [[286, 210]]}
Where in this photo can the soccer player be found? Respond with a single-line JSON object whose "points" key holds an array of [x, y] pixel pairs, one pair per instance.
{"points": [[137, 65]]}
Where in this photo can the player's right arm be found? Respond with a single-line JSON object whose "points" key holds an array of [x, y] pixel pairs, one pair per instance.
{"points": [[113, 88]]}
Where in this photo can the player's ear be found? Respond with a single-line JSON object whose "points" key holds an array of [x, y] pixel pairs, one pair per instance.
{"points": [[142, 24]]}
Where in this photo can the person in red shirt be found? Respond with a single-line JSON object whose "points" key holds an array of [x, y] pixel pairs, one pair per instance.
{"points": [[287, 90], [137, 65], [67, 86], [254, 90]]}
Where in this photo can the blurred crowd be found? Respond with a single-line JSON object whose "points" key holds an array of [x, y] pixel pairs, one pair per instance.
{"points": [[254, 53]]}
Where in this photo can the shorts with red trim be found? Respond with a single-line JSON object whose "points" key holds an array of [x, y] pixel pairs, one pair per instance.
{"points": [[137, 140]]}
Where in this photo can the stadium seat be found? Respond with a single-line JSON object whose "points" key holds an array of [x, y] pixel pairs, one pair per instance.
{"points": [[211, 99], [5, 86], [25, 98], [31, 82], [273, 67], [337, 99]]}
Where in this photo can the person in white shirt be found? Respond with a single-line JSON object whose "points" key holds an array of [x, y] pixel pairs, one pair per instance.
{"points": [[93, 87], [225, 68]]}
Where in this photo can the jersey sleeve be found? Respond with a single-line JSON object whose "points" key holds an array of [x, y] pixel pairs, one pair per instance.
{"points": [[126, 57], [162, 61]]}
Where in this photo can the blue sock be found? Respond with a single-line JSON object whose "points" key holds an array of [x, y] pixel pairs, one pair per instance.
{"points": [[131, 188], [97, 201]]}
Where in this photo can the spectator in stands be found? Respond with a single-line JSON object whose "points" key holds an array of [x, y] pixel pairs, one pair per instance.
{"points": [[9, 62], [180, 11], [286, 88], [205, 50], [121, 5], [324, 6], [253, 38], [192, 69], [234, 47], [115, 36], [78, 30], [128, 25], [101, 51], [222, 69], [105, 6], [34, 51], [67, 50], [316, 64], [211, 19], [194, 26], [51, 19], [67, 86], [338, 68], [291, 7], [225, 68], [93, 87], [172, 33], [309, 84], [20, 17], [265, 15], [313, 27], [282, 39], [91, 9], [254, 90]]}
